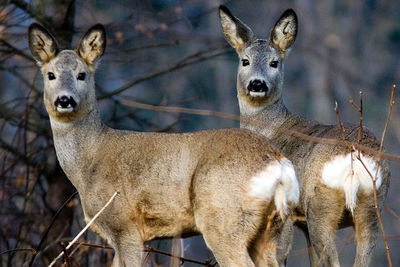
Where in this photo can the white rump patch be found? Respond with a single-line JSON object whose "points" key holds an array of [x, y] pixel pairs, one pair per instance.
{"points": [[278, 180], [342, 174]]}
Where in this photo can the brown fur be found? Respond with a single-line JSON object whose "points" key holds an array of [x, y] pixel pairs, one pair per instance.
{"points": [[323, 207], [169, 184]]}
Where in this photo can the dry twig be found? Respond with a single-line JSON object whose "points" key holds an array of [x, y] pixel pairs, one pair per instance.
{"points": [[229, 116], [84, 229]]}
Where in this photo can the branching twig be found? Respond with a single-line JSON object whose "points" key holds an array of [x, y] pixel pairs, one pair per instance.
{"points": [[181, 64], [84, 229], [376, 174], [50, 225]]}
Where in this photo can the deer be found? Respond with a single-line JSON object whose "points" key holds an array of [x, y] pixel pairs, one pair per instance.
{"points": [[232, 186], [336, 188]]}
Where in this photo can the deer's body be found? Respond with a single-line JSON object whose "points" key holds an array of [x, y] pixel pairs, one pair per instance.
{"points": [[335, 191], [222, 184]]}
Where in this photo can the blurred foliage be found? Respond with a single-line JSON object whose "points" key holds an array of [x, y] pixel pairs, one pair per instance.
{"points": [[173, 53]]}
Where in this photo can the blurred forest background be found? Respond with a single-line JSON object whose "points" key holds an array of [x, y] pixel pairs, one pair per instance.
{"points": [[172, 53]]}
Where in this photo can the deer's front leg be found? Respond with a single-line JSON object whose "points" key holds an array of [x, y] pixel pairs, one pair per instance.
{"points": [[129, 250]]}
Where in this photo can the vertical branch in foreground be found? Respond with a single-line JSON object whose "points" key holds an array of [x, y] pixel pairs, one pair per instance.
{"points": [[336, 109], [351, 148], [360, 110], [376, 175]]}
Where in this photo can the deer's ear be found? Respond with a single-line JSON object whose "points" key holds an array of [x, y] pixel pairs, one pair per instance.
{"points": [[236, 32], [92, 44], [42, 44], [284, 32]]}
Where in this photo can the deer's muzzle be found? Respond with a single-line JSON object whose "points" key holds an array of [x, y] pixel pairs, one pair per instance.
{"points": [[65, 103], [257, 88]]}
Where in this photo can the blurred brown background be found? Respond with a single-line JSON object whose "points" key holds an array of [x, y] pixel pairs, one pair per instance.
{"points": [[173, 53]]}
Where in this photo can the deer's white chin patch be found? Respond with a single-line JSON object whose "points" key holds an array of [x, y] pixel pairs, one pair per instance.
{"points": [[68, 109], [349, 174], [257, 94]]}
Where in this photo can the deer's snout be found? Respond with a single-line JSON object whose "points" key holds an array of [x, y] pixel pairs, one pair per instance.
{"points": [[257, 87], [65, 102]]}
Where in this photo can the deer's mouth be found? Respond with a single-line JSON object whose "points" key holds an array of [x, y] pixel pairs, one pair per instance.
{"points": [[257, 94], [65, 104]]}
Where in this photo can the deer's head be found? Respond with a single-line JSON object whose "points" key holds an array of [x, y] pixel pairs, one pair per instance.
{"points": [[69, 91], [260, 71]]}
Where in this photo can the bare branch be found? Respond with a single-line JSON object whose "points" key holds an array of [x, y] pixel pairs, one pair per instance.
{"points": [[39, 246], [84, 229], [31, 11], [179, 65], [336, 109], [182, 259], [229, 116]]}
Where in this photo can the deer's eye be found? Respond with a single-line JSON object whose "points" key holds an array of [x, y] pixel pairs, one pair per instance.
{"points": [[51, 76], [245, 62], [274, 64], [81, 76]]}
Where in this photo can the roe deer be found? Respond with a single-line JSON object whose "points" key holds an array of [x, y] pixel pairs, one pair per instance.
{"points": [[336, 191], [223, 184]]}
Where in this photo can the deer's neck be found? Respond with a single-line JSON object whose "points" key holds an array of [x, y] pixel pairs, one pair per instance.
{"points": [[269, 118], [76, 144]]}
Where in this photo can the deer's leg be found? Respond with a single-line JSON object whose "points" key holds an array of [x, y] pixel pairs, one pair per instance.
{"points": [[228, 246], [227, 229], [324, 211], [312, 254], [272, 246], [129, 250], [366, 227]]}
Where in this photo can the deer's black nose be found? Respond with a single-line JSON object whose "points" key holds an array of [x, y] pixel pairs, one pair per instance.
{"points": [[257, 86], [65, 102]]}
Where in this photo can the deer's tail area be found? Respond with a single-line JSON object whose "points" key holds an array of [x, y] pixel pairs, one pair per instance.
{"points": [[287, 191], [350, 174], [278, 182]]}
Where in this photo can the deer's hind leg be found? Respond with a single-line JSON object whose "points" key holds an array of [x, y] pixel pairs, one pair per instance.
{"points": [[271, 247], [366, 228], [226, 235], [324, 212]]}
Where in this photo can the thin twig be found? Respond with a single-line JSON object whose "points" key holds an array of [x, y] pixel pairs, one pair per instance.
{"points": [[39, 246], [351, 148], [229, 116], [84, 229], [181, 64], [376, 174], [336, 109], [32, 11], [66, 257], [19, 249], [182, 259], [376, 207], [393, 213], [360, 127]]}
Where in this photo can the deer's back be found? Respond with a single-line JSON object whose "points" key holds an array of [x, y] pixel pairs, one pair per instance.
{"points": [[158, 172]]}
